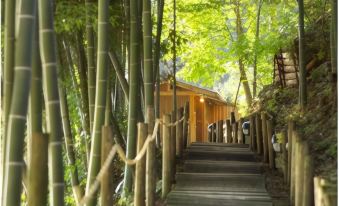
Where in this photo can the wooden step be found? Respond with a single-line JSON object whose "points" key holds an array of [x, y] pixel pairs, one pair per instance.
{"points": [[219, 155], [208, 166]]}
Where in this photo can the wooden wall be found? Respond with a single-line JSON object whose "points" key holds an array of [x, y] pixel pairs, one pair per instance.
{"points": [[201, 114]]}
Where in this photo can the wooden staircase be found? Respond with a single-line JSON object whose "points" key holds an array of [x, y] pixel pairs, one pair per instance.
{"points": [[219, 174]]}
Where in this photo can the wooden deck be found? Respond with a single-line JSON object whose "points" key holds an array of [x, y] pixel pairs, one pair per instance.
{"points": [[219, 175]]}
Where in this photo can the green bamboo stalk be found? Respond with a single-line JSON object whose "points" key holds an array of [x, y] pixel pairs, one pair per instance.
{"points": [[69, 145], [174, 60], [50, 79], [133, 94], [120, 73], [37, 161], [100, 97], [90, 64], [8, 76], [16, 123], [302, 64]]}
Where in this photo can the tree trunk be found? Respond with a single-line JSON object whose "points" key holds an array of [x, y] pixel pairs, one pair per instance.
{"points": [[257, 30], [100, 97], [334, 37], [120, 73], [302, 65]]}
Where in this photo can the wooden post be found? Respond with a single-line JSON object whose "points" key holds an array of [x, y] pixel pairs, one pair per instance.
{"points": [[285, 158], [214, 135], [185, 124], [166, 157], [221, 133], [235, 132], [253, 142], [269, 143], [229, 131], [299, 175], [308, 198], [150, 161], [240, 132], [258, 133], [290, 129], [293, 165], [38, 170], [264, 136], [217, 129], [106, 181], [172, 147], [179, 133]]}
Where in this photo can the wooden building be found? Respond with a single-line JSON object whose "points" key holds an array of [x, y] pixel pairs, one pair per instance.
{"points": [[205, 107]]}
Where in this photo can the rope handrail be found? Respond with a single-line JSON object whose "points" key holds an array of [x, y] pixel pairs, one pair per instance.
{"points": [[118, 149]]}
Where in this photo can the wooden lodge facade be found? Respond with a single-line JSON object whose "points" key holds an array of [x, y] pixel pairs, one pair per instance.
{"points": [[205, 107]]}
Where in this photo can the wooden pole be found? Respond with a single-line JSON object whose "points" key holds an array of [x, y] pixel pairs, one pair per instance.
{"points": [[264, 136], [299, 174], [166, 157], [150, 161], [235, 132], [185, 123], [285, 158], [179, 133], [106, 189], [240, 132], [229, 131], [253, 142], [308, 198], [258, 133], [290, 129], [217, 131], [269, 143], [172, 147], [38, 181], [293, 165], [221, 133], [213, 134]]}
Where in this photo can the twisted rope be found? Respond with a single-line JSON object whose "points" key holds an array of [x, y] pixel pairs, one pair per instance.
{"points": [[118, 149]]}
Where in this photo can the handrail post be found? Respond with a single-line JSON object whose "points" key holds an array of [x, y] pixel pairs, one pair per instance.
{"points": [[185, 124], [166, 157], [264, 136], [179, 133], [253, 142], [258, 133], [140, 168], [235, 132], [173, 146], [240, 132], [270, 146], [150, 161], [106, 181], [229, 131]]}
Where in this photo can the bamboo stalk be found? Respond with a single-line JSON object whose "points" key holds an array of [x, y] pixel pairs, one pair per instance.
{"points": [[258, 130], [120, 73], [166, 158], [150, 161], [140, 169], [264, 136], [100, 98], [179, 135], [269, 143], [107, 189], [308, 197], [17, 97], [235, 132], [69, 145]]}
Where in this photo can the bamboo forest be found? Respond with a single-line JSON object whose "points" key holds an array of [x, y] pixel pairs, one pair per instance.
{"points": [[168, 102]]}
